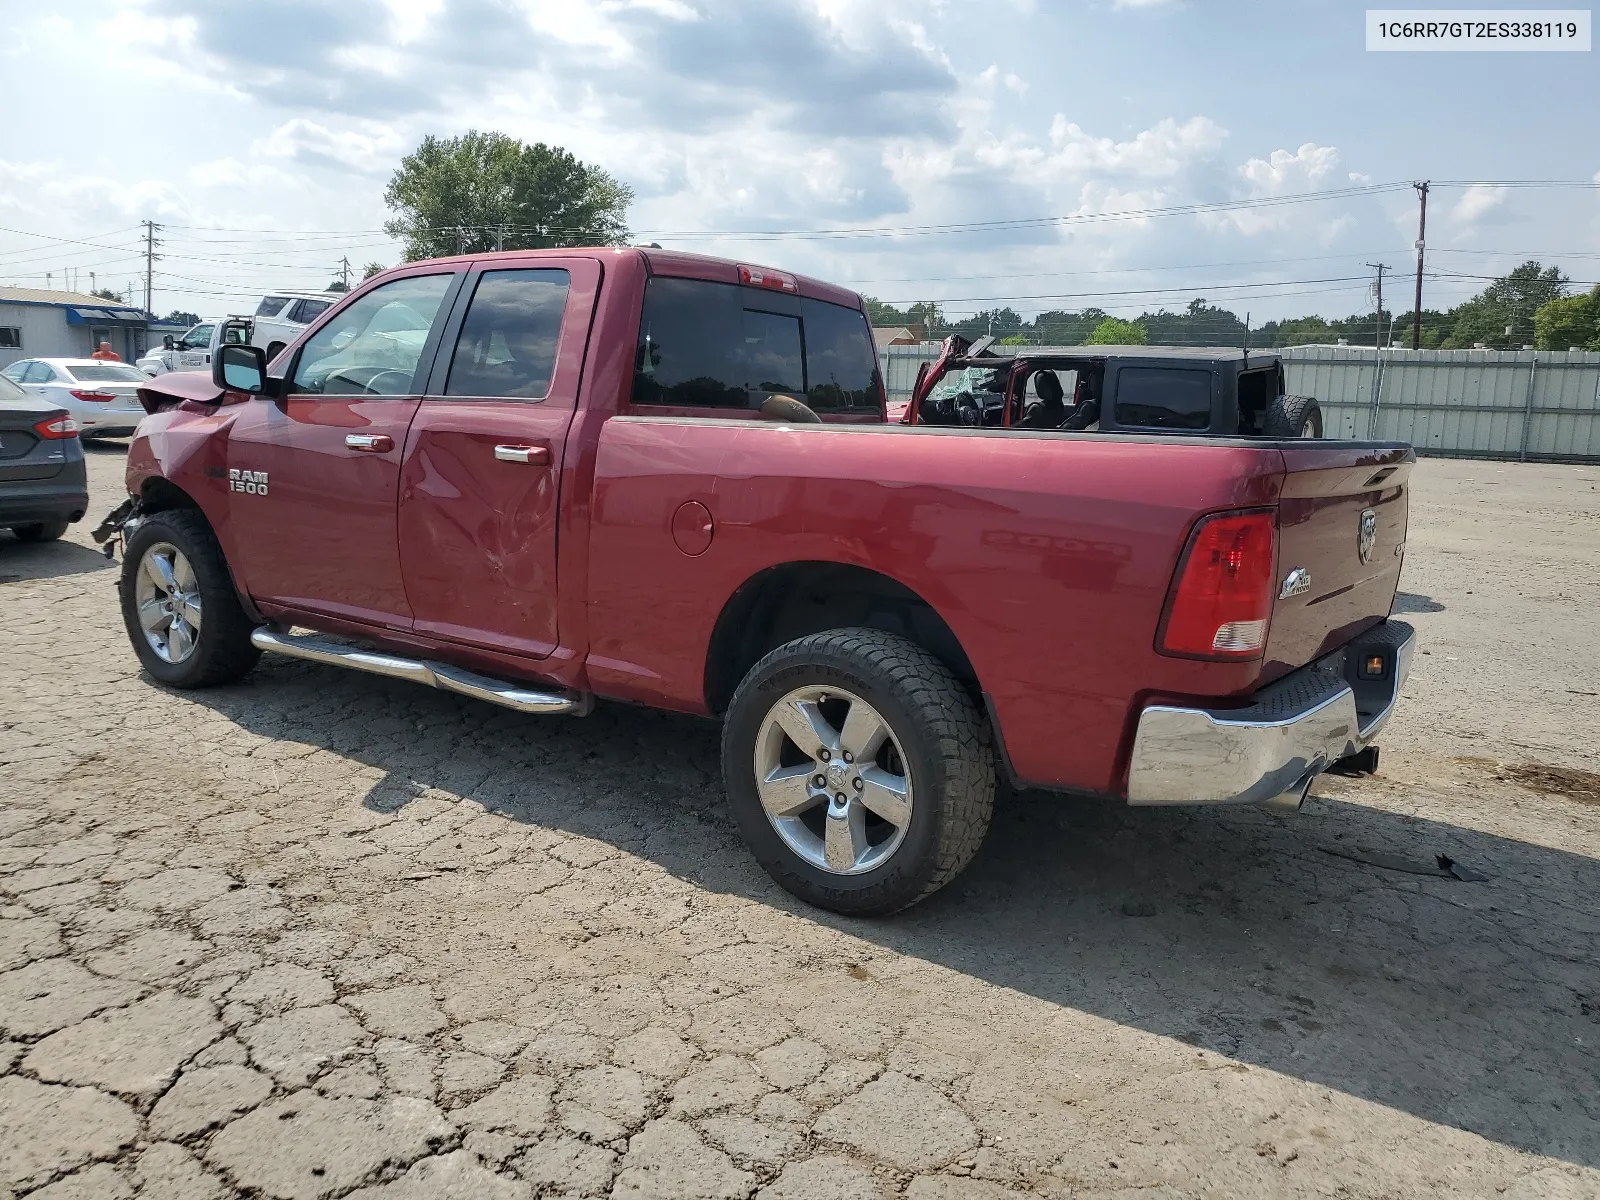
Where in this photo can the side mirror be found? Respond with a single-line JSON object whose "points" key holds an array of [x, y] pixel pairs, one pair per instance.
{"points": [[240, 369], [166, 342]]}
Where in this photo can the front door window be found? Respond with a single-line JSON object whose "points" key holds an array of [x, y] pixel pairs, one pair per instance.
{"points": [[372, 347]]}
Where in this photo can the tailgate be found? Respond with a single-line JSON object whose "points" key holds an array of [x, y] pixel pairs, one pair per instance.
{"points": [[1341, 542]]}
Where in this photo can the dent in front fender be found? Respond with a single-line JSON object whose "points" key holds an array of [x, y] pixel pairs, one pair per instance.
{"points": [[188, 449]]}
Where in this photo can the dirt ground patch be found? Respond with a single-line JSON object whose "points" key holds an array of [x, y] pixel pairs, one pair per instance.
{"points": [[317, 934], [1582, 786]]}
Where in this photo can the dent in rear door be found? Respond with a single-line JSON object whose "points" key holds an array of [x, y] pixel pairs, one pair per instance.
{"points": [[481, 482]]}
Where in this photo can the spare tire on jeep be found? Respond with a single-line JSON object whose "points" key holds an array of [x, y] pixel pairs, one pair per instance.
{"points": [[1293, 417]]}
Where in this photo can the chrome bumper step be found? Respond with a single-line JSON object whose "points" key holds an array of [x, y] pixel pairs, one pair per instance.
{"points": [[446, 678]]}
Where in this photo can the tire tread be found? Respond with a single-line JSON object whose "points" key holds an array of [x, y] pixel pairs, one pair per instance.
{"points": [[937, 699], [227, 655]]}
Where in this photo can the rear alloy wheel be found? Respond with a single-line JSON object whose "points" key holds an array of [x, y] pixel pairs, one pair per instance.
{"points": [[40, 531], [859, 770], [179, 605], [833, 780]]}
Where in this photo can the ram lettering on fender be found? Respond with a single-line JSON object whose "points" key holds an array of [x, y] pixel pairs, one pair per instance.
{"points": [[251, 483]]}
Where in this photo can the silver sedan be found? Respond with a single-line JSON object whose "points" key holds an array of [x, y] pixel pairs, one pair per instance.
{"points": [[101, 396]]}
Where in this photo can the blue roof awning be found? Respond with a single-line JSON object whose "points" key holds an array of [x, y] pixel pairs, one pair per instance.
{"points": [[105, 316]]}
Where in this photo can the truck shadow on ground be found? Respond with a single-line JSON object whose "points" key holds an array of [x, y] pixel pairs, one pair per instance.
{"points": [[1273, 940], [21, 560]]}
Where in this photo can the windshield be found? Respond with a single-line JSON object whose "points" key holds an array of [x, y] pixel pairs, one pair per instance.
{"points": [[107, 373], [974, 381], [200, 335]]}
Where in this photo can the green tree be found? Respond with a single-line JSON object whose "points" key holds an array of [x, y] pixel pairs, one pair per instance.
{"points": [[483, 191], [107, 294], [338, 285], [1508, 302], [884, 315], [371, 269], [176, 317], [927, 314], [1114, 331], [1568, 322]]}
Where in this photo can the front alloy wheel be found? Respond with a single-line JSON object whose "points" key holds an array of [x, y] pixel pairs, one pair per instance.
{"points": [[168, 598], [179, 604], [833, 780]]}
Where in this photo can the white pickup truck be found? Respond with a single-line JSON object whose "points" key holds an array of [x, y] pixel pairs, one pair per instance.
{"points": [[278, 320], [192, 351]]}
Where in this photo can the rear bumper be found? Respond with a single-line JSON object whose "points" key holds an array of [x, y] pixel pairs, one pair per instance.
{"points": [[107, 422], [63, 498], [1293, 730]]}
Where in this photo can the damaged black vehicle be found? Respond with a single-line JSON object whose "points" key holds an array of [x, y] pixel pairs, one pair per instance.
{"points": [[1212, 392]]}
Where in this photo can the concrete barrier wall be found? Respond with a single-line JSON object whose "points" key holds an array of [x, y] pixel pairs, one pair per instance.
{"points": [[1526, 404]]}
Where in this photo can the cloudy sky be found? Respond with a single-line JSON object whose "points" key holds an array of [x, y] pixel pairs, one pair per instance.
{"points": [[1013, 152]]}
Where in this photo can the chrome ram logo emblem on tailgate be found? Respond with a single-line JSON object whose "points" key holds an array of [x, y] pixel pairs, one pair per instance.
{"points": [[1368, 537]]}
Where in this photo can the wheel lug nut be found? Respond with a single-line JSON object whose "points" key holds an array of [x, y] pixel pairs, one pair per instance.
{"points": [[848, 757], [824, 755], [820, 780], [840, 799], [858, 785]]}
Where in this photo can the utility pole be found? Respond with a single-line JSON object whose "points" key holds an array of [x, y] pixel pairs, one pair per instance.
{"points": [[1422, 241], [499, 237], [1377, 337], [150, 256], [344, 272]]}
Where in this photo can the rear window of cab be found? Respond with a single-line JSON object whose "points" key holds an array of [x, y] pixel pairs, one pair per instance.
{"points": [[720, 345]]}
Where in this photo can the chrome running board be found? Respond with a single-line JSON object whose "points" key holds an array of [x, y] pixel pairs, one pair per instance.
{"points": [[437, 675]]}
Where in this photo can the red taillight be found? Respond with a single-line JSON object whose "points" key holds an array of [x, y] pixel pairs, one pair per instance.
{"points": [[766, 277], [54, 429], [95, 397], [1222, 597]]}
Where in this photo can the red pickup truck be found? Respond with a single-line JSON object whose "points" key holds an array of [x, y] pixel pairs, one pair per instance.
{"points": [[543, 478]]}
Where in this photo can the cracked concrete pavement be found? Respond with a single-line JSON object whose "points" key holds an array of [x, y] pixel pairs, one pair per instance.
{"points": [[322, 935]]}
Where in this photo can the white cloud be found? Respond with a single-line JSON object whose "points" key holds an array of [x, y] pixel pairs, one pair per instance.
{"points": [[1282, 171], [363, 148], [1478, 202], [1143, 3]]}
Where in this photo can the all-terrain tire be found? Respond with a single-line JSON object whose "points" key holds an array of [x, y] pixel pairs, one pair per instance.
{"points": [[1293, 417], [945, 740], [40, 531], [223, 651]]}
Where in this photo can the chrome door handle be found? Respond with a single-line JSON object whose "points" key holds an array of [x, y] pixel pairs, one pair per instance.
{"points": [[377, 443], [538, 456]]}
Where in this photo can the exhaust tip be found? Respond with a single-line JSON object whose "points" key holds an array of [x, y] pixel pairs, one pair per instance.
{"points": [[1292, 800]]}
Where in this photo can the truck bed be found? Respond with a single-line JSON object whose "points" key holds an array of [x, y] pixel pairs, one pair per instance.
{"points": [[1049, 556]]}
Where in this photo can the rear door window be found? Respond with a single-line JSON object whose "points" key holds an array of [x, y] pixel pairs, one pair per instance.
{"points": [[1163, 398], [271, 306], [307, 311], [718, 345], [841, 368], [509, 339]]}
